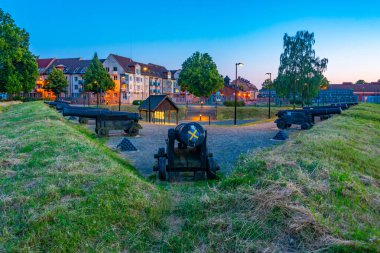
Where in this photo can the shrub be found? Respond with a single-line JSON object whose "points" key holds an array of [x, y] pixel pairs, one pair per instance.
{"points": [[27, 99], [137, 102], [17, 97], [232, 103]]}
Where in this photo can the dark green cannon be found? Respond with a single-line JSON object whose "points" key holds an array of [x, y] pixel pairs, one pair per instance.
{"points": [[341, 106], [84, 120], [347, 104], [58, 105], [186, 151], [106, 120], [304, 117]]}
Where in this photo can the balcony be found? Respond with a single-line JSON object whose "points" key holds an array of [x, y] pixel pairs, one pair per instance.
{"points": [[81, 82]]}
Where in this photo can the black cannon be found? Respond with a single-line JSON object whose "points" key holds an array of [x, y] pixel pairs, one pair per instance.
{"points": [[84, 120], [304, 117], [108, 120], [190, 155], [349, 104], [58, 105], [341, 106]]}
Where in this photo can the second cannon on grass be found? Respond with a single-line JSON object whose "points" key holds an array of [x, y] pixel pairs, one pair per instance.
{"points": [[186, 151]]}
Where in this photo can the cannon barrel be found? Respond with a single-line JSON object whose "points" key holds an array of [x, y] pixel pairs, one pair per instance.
{"points": [[95, 113], [342, 106], [349, 104], [324, 111], [192, 134], [282, 112], [55, 103], [314, 111]]}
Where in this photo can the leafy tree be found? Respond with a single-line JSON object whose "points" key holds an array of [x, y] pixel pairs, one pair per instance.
{"points": [[324, 83], [200, 76], [300, 71], [18, 66], [227, 80], [96, 79], [56, 81], [361, 81], [267, 84]]}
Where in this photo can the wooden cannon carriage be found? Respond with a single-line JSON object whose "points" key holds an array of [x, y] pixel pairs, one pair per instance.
{"points": [[189, 155]]}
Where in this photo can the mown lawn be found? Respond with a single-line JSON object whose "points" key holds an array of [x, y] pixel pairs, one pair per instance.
{"points": [[319, 191], [61, 190]]}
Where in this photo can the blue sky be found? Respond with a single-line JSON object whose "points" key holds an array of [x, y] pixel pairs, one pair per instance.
{"points": [[167, 32]]}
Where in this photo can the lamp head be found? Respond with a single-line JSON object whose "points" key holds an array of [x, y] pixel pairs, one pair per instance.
{"points": [[240, 64]]}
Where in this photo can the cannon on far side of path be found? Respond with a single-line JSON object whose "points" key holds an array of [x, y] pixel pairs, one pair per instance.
{"points": [[304, 117], [349, 104], [108, 120], [341, 106], [186, 151]]}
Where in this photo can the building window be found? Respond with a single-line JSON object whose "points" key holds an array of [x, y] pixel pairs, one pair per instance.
{"points": [[115, 78], [115, 95], [131, 78], [107, 69], [114, 68], [75, 87]]}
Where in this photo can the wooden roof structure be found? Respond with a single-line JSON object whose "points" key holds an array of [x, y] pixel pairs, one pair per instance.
{"points": [[161, 106]]}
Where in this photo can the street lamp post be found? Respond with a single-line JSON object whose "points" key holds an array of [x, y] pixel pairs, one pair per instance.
{"points": [[270, 82], [236, 80]]}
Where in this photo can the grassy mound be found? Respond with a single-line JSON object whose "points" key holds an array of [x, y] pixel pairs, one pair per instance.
{"points": [[319, 191], [62, 190]]}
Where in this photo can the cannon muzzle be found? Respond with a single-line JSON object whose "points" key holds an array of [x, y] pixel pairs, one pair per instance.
{"points": [[192, 134]]}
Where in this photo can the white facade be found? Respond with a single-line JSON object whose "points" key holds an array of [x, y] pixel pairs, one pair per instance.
{"points": [[135, 84]]}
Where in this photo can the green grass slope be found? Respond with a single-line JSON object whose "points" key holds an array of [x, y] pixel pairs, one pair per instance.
{"points": [[61, 190], [319, 191]]}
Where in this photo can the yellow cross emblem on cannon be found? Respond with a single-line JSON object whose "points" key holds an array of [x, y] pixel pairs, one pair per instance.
{"points": [[193, 134]]}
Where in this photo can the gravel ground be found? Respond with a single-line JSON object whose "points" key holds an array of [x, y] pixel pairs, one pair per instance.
{"points": [[227, 143]]}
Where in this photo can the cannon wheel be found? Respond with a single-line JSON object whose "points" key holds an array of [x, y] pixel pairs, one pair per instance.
{"points": [[211, 170], [162, 168], [132, 131], [281, 124], [103, 132], [305, 126], [83, 121], [288, 125]]}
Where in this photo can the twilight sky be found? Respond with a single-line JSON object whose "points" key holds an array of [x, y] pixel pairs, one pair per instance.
{"points": [[167, 32]]}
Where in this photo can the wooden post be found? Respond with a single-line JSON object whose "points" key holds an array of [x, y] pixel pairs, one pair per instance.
{"points": [[169, 117], [176, 117]]}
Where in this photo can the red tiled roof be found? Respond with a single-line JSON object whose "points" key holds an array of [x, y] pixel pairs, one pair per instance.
{"points": [[146, 69], [245, 84], [43, 64], [72, 65]]}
